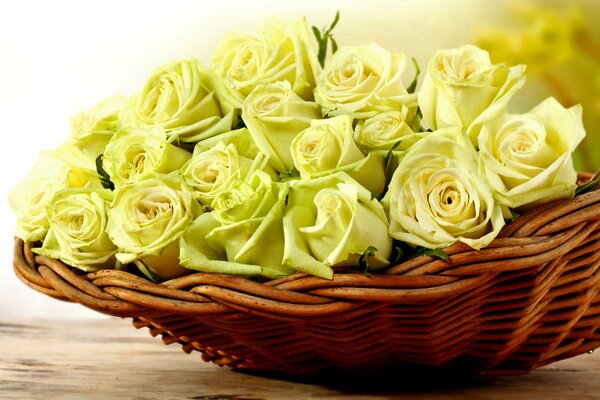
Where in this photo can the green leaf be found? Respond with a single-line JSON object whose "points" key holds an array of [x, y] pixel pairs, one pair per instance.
{"points": [[439, 253], [239, 124], [317, 34], [413, 85], [334, 45], [323, 51], [397, 255], [289, 175], [324, 37], [147, 271], [387, 162], [363, 261], [104, 177], [416, 124], [592, 185], [404, 252], [335, 21], [390, 154]]}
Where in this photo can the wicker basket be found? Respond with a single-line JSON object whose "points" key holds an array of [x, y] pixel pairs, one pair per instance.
{"points": [[529, 299]]}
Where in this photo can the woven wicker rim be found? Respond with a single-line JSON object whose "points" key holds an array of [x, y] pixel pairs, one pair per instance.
{"points": [[536, 237]]}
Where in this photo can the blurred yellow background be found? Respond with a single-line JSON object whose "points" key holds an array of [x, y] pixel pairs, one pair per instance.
{"points": [[560, 43]]}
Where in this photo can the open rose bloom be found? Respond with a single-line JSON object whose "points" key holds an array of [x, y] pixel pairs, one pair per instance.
{"points": [[283, 157]]}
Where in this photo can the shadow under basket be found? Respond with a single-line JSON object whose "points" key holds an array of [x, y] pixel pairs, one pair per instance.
{"points": [[529, 299]]}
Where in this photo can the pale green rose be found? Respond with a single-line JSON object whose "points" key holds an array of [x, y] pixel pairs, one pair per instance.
{"points": [[463, 88], [527, 158], [328, 146], [146, 221], [274, 115], [383, 131], [244, 233], [436, 198], [279, 51], [30, 197], [77, 235], [363, 81], [245, 200], [180, 98], [331, 221], [240, 138], [213, 171], [82, 164], [92, 129], [133, 153]]}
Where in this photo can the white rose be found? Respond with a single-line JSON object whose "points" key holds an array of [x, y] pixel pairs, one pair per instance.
{"points": [[331, 221], [180, 98], [463, 88], [77, 235], [435, 197], [382, 131], [240, 138], [363, 81], [146, 221], [243, 235], [133, 153], [92, 129], [244, 201], [274, 115], [527, 158], [328, 146], [280, 51], [30, 197], [210, 172]]}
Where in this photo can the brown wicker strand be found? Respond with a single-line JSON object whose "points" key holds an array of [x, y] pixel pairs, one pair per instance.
{"points": [[530, 298]]}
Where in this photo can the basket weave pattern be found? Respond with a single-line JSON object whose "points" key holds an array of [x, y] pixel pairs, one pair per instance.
{"points": [[529, 299]]}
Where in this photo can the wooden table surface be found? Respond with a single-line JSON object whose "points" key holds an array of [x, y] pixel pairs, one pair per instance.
{"points": [[109, 359]]}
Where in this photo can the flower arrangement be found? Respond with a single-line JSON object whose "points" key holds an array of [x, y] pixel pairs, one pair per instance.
{"points": [[287, 156]]}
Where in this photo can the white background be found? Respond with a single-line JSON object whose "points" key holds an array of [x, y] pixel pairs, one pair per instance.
{"points": [[57, 58]]}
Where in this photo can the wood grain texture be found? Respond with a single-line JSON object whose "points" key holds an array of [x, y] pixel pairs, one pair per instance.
{"points": [[109, 359]]}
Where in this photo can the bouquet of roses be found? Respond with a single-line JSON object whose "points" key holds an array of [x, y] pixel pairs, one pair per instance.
{"points": [[276, 160]]}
